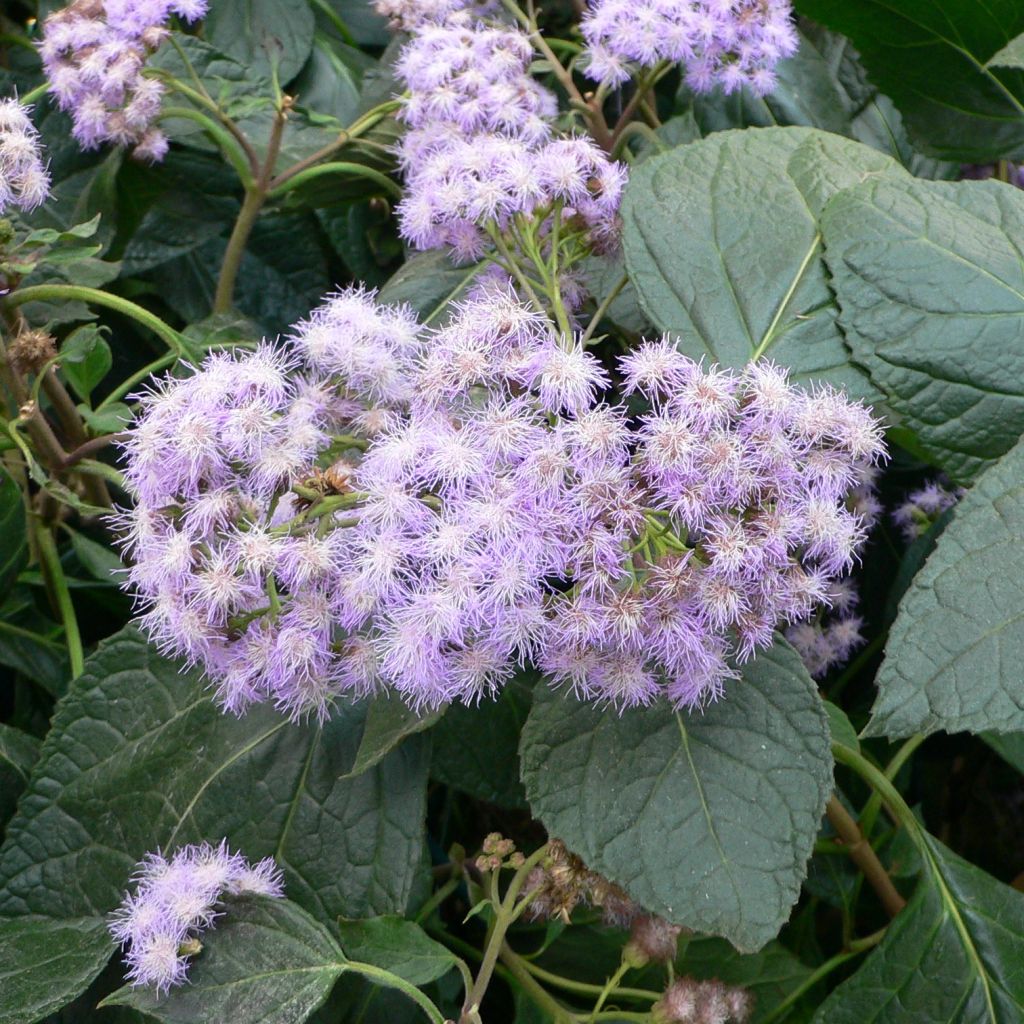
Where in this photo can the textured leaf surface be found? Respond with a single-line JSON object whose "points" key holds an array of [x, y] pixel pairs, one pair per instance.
{"points": [[707, 819], [930, 282], [45, 964], [266, 962], [139, 757], [953, 660], [389, 721], [399, 946], [1010, 747], [954, 955], [263, 33], [930, 56], [722, 243], [428, 282]]}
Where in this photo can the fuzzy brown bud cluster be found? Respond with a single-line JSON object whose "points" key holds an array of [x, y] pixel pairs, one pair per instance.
{"points": [[652, 940], [689, 1001], [497, 853], [31, 350]]}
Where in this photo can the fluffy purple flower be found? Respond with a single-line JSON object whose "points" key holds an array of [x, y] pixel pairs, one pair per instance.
{"points": [[174, 900], [923, 507], [728, 43], [410, 15], [94, 54], [24, 181]]}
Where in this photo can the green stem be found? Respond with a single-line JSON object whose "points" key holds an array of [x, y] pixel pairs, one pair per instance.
{"points": [[34, 94], [606, 303], [26, 634], [856, 948], [438, 898], [54, 572], [855, 666], [74, 292], [540, 997], [230, 148], [336, 167], [389, 980], [584, 988], [255, 196], [871, 809], [609, 986]]}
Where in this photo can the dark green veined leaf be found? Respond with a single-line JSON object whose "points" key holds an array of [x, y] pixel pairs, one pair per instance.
{"points": [[428, 282], [13, 544], [930, 56], [930, 286], [158, 765], [1009, 746], [722, 243], [953, 955], [841, 727], [708, 818], [327, 84], [44, 964], [399, 946], [954, 652], [263, 34], [85, 359]]}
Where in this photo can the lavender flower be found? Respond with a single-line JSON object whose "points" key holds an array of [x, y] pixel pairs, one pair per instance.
{"points": [[431, 509], [175, 900], [730, 43], [923, 507], [24, 181], [409, 15], [232, 570], [481, 150], [94, 54], [689, 1001]]}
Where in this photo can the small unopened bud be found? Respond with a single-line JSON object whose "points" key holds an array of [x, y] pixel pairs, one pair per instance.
{"points": [[652, 939], [190, 947], [517, 860]]}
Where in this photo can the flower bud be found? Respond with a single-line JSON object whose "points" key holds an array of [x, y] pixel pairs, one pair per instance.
{"points": [[652, 938], [689, 1001]]}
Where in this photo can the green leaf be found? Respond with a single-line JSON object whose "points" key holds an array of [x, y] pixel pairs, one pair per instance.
{"points": [[389, 721], [266, 962], [953, 954], [401, 947], [109, 420], [840, 726], [327, 84], [746, 277], [13, 545], [178, 222], [44, 964], [476, 748], [18, 752], [1010, 747], [156, 764], [428, 282], [931, 58], [85, 359], [706, 818], [955, 650], [98, 559], [1011, 55], [262, 34], [930, 284]]}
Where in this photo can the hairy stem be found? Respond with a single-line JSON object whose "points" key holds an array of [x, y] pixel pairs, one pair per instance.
{"points": [[864, 857]]}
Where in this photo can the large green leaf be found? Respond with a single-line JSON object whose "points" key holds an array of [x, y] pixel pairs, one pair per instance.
{"points": [[262, 34], [428, 282], [44, 964], [1010, 747], [266, 962], [389, 721], [954, 955], [930, 283], [138, 757], [706, 818], [13, 544], [930, 56], [722, 243], [399, 946], [955, 650]]}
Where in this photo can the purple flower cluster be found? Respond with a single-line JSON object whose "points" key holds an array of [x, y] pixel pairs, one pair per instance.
{"points": [[409, 15], [94, 54], [730, 43], [480, 148], [236, 570], [24, 181], [175, 900], [489, 508], [689, 1001], [923, 507]]}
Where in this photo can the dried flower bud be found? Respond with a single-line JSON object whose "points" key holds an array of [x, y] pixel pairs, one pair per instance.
{"points": [[652, 939], [31, 350]]}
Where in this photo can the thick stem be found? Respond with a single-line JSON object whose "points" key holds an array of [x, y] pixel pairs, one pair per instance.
{"points": [[864, 857], [53, 572], [537, 993], [255, 196]]}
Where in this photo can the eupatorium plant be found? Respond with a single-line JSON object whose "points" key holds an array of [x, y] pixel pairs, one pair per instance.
{"points": [[24, 181]]}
